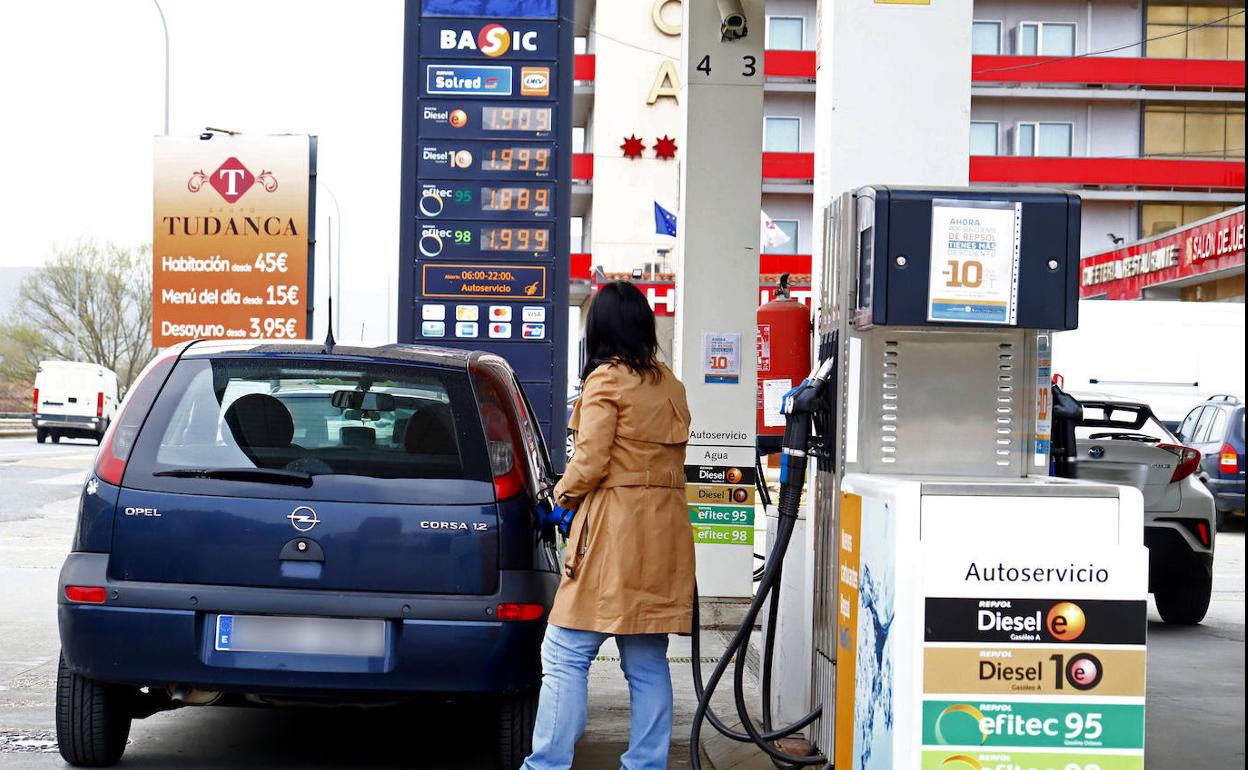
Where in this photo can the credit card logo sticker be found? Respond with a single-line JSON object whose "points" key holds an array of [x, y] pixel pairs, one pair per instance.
{"points": [[533, 314], [534, 331], [433, 329], [467, 313], [467, 80], [500, 331], [433, 312], [500, 313], [465, 329], [535, 81]]}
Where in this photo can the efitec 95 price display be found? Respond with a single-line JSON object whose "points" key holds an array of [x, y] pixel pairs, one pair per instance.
{"points": [[486, 186]]}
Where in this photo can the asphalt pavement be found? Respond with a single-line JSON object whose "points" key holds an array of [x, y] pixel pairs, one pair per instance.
{"points": [[1195, 675]]}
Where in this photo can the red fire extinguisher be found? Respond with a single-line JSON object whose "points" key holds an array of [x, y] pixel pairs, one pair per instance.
{"points": [[783, 345]]}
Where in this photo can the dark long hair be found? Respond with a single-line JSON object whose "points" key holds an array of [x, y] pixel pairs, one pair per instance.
{"points": [[620, 327]]}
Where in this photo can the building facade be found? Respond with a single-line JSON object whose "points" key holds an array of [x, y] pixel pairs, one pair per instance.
{"points": [[1136, 105]]}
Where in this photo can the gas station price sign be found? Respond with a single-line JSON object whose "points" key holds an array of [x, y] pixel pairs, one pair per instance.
{"points": [[463, 120], [502, 160], [486, 239], [477, 200], [484, 244]]}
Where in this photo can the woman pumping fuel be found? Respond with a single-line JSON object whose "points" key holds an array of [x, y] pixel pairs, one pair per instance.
{"points": [[629, 568]]}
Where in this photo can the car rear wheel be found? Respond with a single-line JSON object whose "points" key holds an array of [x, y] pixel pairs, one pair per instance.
{"points": [[56, 437], [1185, 604], [41, 435], [516, 715], [92, 719]]}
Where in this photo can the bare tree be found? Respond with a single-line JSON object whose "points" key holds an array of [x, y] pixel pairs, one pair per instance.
{"points": [[87, 303]]}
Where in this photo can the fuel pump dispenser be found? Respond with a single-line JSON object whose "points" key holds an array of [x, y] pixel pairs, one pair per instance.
{"points": [[971, 610]]}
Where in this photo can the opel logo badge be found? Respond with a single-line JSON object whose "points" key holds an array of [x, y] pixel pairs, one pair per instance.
{"points": [[303, 518]]}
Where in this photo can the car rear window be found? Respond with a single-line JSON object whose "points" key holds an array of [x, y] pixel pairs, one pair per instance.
{"points": [[330, 420]]}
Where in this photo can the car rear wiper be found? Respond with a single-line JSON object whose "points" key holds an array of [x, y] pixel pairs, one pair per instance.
{"points": [[262, 475]]}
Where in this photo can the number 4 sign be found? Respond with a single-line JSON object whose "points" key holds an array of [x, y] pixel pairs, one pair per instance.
{"points": [[721, 357]]}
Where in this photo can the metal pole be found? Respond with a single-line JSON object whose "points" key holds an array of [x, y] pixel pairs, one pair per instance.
{"points": [[337, 269], [165, 27]]}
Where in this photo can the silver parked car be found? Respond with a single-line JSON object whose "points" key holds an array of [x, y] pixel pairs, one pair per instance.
{"points": [[1123, 442]]}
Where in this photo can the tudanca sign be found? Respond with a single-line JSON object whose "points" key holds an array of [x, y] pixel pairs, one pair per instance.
{"points": [[1205, 247], [231, 232]]}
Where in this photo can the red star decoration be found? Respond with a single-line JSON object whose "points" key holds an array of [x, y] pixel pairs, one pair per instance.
{"points": [[665, 148], [632, 147]]}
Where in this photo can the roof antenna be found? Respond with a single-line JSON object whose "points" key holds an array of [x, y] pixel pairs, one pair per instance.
{"points": [[329, 333]]}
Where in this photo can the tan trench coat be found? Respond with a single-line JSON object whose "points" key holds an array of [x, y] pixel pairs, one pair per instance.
{"points": [[629, 567]]}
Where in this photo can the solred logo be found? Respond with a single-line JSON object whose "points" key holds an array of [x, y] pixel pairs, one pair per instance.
{"points": [[231, 179], [493, 40]]}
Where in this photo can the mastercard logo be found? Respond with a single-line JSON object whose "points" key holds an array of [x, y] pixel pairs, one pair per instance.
{"points": [[493, 40], [1066, 621]]}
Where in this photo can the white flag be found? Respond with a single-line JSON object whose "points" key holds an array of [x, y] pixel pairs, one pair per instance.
{"points": [[769, 234]]}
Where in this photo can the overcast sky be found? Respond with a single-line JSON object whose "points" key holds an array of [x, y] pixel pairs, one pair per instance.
{"points": [[82, 95]]}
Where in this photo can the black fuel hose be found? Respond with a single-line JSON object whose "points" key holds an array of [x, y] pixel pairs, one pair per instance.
{"points": [[802, 404]]}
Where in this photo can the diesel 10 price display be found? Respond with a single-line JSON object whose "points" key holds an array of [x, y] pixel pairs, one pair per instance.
{"points": [[485, 160]]}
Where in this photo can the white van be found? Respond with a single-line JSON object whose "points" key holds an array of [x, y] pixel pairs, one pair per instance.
{"points": [[73, 400]]}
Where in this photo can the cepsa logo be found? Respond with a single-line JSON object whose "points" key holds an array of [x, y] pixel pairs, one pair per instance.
{"points": [[493, 40]]}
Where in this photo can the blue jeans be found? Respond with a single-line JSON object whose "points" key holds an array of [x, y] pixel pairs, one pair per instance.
{"points": [[564, 702]]}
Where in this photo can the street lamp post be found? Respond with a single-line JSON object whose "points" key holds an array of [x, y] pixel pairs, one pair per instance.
{"points": [[165, 27]]}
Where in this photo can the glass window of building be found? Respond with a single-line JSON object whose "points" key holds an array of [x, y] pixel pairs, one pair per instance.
{"points": [[1051, 140], [1194, 130], [1200, 29], [986, 38], [789, 228], [1157, 218], [1045, 39], [786, 33], [782, 134], [984, 138], [1055, 140]]}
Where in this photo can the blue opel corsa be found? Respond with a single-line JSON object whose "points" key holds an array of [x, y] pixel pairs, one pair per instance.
{"points": [[274, 523]]}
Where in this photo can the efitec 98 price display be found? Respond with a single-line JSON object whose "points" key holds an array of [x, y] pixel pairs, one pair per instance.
{"points": [[487, 186]]}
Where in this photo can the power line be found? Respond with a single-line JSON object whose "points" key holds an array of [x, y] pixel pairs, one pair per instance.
{"points": [[1183, 31]]}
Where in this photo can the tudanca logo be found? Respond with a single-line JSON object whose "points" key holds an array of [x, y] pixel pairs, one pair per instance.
{"points": [[232, 179], [303, 518]]}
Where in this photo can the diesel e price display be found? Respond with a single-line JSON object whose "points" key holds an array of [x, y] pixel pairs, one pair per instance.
{"points": [[535, 120]]}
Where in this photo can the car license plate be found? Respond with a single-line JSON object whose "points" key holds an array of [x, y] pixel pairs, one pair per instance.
{"points": [[301, 635]]}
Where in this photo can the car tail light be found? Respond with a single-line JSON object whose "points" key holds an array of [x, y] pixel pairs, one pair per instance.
{"points": [[99, 404], [1189, 460], [34, 407], [512, 611], [1202, 532], [110, 462], [85, 594], [1228, 459], [502, 432]]}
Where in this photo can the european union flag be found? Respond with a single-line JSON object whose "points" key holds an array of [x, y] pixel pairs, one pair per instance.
{"points": [[664, 221]]}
